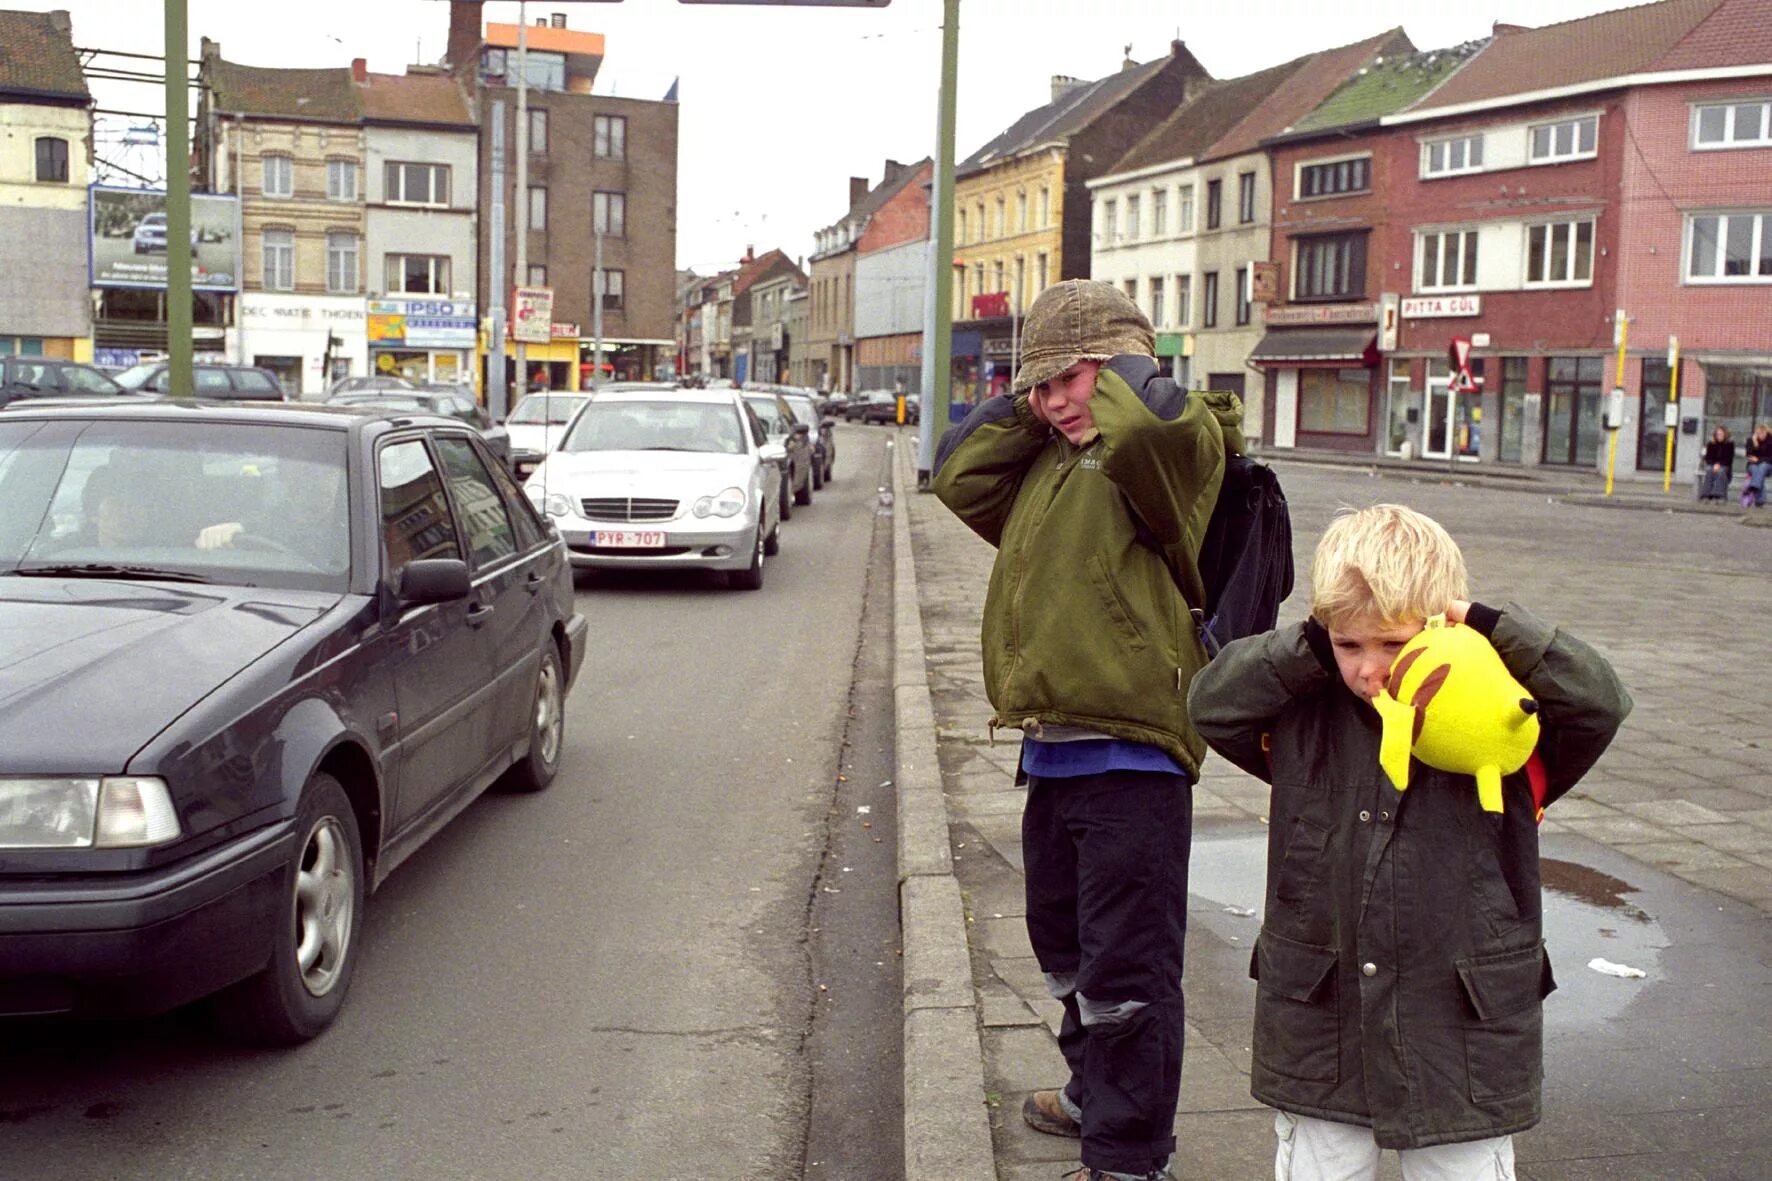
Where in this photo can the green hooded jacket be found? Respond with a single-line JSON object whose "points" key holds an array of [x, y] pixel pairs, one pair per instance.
{"points": [[1083, 622]]}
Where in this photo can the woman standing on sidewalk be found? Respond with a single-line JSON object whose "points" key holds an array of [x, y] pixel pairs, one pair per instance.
{"points": [[1719, 466]]}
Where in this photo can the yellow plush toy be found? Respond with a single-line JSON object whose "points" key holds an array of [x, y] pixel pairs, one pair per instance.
{"points": [[1452, 704]]}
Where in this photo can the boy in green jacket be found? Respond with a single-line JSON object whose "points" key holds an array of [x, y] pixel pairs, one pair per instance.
{"points": [[1095, 482], [1400, 967]]}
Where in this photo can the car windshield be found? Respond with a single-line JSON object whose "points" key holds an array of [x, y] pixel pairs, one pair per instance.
{"points": [[657, 426], [803, 410], [243, 504], [770, 412], [551, 409]]}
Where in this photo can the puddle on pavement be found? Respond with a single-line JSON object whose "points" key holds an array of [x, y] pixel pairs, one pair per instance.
{"points": [[1587, 915]]}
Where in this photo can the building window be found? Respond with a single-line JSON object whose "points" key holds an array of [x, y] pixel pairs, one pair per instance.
{"points": [[1245, 197], [341, 263], [1242, 295], [1021, 212], [279, 176], [1019, 294], [609, 214], [418, 184], [1110, 222], [538, 275], [547, 71], [1134, 220], [538, 130], [538, 207], [1214, 203], [981, 227], [1448, 261], [997, 283], [1335, 178], [1560, 254], [609, 137], [52, 158], [1723, 125], [1332, 266], [1209, 300], [1729, 248], [279, 259], [1002, 218], [419, 274], [1045, 207], [1334, 401], [1184, 300], [1041, 270], [341, 180], [1157, 301], [1568, 139], [1184, 213], [1449, 157], [1572, 395], [960, 226], [610, 287], [1159, 212], [1132, 290]]}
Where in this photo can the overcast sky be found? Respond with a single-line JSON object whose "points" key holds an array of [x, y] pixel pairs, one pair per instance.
{"points": [[780, 106]]}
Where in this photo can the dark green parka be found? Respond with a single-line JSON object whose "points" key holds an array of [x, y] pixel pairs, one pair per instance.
{"points": [[1083, 624], [1400, 966]]}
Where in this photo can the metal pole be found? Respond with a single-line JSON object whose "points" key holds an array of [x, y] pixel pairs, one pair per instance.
{"points": [[1612, 447], [521, 386], [496, 403], [938, 303], [597, 280], [1673, 401], [178, 205]]}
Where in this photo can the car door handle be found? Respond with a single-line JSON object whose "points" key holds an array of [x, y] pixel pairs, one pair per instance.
{"points": [[533, 583], [479, 613]]}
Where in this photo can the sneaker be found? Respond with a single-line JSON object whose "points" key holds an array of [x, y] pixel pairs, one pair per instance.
{"points": [[1044, 1113]]}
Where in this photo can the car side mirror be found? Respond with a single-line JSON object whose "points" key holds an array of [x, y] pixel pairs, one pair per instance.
{"points": [[773, 453], [433, 580]]}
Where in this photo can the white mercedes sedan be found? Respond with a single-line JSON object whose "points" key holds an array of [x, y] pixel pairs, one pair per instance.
{"points": [[665, 479]]}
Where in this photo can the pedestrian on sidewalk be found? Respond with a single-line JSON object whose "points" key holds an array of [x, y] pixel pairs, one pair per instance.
{"points": [[1759, 464], [1094, 479], [1719, 466], [1400, 968]]}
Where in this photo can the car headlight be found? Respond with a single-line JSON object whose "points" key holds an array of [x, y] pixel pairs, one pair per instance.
{"points": [[554, 504], [728, 503], [114, 812]]}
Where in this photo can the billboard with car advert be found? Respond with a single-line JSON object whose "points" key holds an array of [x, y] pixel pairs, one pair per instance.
{"points": [[129, 247]]}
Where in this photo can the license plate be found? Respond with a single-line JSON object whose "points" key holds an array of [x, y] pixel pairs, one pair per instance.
{"points": [[628, 538]]}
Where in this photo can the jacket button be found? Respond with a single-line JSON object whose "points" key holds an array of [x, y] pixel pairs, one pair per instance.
{"points": [[1364, 815], [1369, 969], [1384, 815]]}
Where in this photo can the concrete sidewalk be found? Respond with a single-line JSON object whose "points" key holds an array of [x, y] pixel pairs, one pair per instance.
{"points": [[1645, 864]]}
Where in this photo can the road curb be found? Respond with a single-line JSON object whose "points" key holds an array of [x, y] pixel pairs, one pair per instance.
{"points": [[947, 1130]]}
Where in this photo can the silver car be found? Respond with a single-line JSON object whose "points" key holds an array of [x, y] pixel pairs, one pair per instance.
{"points": [[665, 479]]}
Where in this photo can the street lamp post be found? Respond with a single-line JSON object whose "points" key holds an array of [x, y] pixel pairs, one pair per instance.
{"points": [[938, 327]]}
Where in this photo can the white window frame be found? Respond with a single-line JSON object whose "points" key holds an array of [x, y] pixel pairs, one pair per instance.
{"points": [[1045, 207], [1729, 143], [281, 165], [1466, 282], [1573, 225], [277, 256], [609, 209], [1110, 222], [538, 131], [1159, 213], [609, 137], [1303, 166], [340, 279], [1184, 211], [1576, 152], [431, 199], [1156, 285], [1761, 228], [1134, 217], [1184, 301], [610, 283], [538, 196], [339, 169], [439, 274], [1469, 139]]}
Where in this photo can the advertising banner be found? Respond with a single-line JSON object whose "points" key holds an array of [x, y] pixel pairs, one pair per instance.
{"points": [[532, 314], [129, 247], [422, 324]]}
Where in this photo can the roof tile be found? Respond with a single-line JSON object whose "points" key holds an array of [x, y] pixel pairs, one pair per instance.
{"points": [[435, 99], [37, 56], [1386, 87], [320, 96]]}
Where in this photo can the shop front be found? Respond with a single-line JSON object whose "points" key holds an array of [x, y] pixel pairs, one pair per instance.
{"points": [[550, 366], [309, 341], [1320, 376], [1174, 353], [423, 340], [629, 360]]}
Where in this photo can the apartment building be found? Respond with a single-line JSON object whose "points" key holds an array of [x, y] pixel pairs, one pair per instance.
{"points": [[891, 279]]}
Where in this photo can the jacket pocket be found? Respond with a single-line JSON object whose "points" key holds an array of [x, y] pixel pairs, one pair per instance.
{"points": [[1301, 863], [1504, 1024], [1297, 1009], [1114, 603]]}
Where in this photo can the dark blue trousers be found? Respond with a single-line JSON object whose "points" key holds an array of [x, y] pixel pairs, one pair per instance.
{"points": [[1106, 859]]}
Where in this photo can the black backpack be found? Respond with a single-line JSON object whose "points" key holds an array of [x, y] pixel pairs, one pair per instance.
{"points": [[1246, 558]]}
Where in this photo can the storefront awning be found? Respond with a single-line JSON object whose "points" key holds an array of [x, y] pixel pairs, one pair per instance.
{"points": [[1293, 346]]}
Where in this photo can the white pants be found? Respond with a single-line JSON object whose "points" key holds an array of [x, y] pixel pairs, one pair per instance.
{"points": [[1322, 1150]]}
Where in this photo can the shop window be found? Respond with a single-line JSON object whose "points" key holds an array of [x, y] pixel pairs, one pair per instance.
{"points": [[1398, 398], [1330, 266], [52, 159], [418, 274], [609, 137], [279, 175], [1513, 409], [1732, 125], [1735, 397], [417, 184], [1572, 410], [1729, 247], [609, 214], [279, 260], [1334, 401]]}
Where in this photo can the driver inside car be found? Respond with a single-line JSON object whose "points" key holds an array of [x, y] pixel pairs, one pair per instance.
{"points": [[302, 511]]}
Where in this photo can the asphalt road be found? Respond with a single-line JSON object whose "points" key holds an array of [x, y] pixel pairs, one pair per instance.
{"points": [[619, 977]]}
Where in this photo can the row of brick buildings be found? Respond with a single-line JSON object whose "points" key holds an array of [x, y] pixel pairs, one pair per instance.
{"points": [[345, 219], [1315, 235]]}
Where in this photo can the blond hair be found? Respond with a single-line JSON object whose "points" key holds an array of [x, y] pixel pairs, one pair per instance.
{"points": [[1387, 563]]}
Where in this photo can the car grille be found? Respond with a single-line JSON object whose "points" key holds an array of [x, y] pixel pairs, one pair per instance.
{"points": [[627, 508]]}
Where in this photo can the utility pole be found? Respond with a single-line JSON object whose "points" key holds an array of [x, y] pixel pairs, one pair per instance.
{"points": [[597, 293], [178, 205], [496, 402], [938, 301], [521, 386]]}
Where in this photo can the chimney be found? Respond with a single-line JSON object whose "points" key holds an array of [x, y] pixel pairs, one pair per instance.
{"points": [[1063, 84], [558, 20], [360, 71], [1500, 28], [750, 253], [858, 188], [464, 33], [1128, 63], [61, 22]]}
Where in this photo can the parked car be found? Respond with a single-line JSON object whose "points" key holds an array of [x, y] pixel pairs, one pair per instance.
{"points": [[796, 444], [255, 657], [32, 378], [150, 235], [537, 424], [368, 381], [688, 478], [242, 383], [450, 401], [874, 406], [823, 436]]}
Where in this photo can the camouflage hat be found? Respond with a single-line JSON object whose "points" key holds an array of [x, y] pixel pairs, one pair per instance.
{"points": [[1079, 320]]}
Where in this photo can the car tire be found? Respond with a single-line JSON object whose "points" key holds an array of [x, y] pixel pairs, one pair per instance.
{"points": [[803, 494], [829, 470], [787, 498], [322, 887], [547, 727], [817, 474], [752, 577]]}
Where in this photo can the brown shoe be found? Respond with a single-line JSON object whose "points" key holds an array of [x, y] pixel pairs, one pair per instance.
{"points": [[1044, 1113]]}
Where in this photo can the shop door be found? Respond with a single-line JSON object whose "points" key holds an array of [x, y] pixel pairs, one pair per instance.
{"points": [[1572, 411], [1652, 432], [1436, 433]]}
